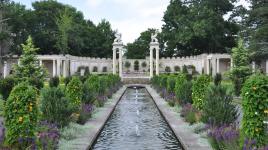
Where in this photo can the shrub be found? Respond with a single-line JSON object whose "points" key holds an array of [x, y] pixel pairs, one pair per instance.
{"points": [[74, 92], [28, 69], [95, 69], [104, 69], [241, 69], [6, 86], [167, 69], [217, 79], [189, 113], [21, 114], [55, 107], [48, 136], [223, 112], [144, 64], [92, 85], [254, 104], [85, 113], [67, 80], [184, 69], [177, 68], [184, 95], [163, 81], [199, 91], [87, 71], [127, 64], [171, 82], [136, 65], [54, 81], [224, 137], [178, 86]]}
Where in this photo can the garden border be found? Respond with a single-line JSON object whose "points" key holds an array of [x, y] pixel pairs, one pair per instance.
{"points": [[188, 139], [86, 141]]}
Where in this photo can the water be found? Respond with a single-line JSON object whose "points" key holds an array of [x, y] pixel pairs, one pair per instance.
{"points": [[136, 124]]}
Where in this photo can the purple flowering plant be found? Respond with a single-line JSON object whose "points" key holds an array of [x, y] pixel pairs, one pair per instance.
{"points": [[225, 136]]}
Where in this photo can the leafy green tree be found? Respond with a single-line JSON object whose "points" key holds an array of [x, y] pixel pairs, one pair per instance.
{"points": [[140, 48], [258, 28], [28, 68], [241, 66], [64, 23], [197, 26]]}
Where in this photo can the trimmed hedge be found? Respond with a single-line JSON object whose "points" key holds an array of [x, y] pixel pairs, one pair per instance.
{"points": [[255, 108]]}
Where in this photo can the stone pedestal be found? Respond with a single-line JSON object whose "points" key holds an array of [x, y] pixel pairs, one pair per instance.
{"points": [[151, 63], [114, 61]]}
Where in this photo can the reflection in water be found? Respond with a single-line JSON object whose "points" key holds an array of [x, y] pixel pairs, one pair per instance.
{"points": [[136, 124]]}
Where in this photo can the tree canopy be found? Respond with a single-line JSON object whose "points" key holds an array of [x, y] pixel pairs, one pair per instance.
{"points": [[57, 28]]}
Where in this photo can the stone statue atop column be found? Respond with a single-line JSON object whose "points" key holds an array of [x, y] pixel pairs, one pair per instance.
{"points": [[118, 45], [118, 38], [154, 37]]}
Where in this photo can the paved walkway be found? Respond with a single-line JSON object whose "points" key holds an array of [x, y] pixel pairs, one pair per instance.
{"points": [[188, 139]]}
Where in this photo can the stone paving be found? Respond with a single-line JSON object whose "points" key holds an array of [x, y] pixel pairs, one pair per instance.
{"points": [[188, 139]]}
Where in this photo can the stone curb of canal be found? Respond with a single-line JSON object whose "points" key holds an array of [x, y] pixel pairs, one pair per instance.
{"points": [[188, 139]]}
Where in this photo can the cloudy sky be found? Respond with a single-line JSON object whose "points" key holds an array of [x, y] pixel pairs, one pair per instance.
{"points": [[129, 17]]}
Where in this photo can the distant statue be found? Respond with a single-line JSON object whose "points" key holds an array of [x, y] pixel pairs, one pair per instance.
{"points": [[118, 37], [153, 37]]}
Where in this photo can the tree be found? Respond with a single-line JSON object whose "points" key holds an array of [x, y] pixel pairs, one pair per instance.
{"points": [[28, 68], [241, 69], [197, 26], [64, 23], [140, 48], [258, 29], [136, 65]]}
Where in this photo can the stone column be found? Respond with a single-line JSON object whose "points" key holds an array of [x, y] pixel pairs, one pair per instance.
{"points": [[54, 68], [231, 64], [58, 67], [40, 62], [151, 63], [120, 63], [5, 72], [253, 66], [267, 67], [218, 65], [114, 61], [208, 66], [214, 67], [64, 69], [157, 61]]}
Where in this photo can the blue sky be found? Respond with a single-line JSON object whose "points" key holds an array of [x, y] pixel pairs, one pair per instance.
{"points": [[129, 17]]}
